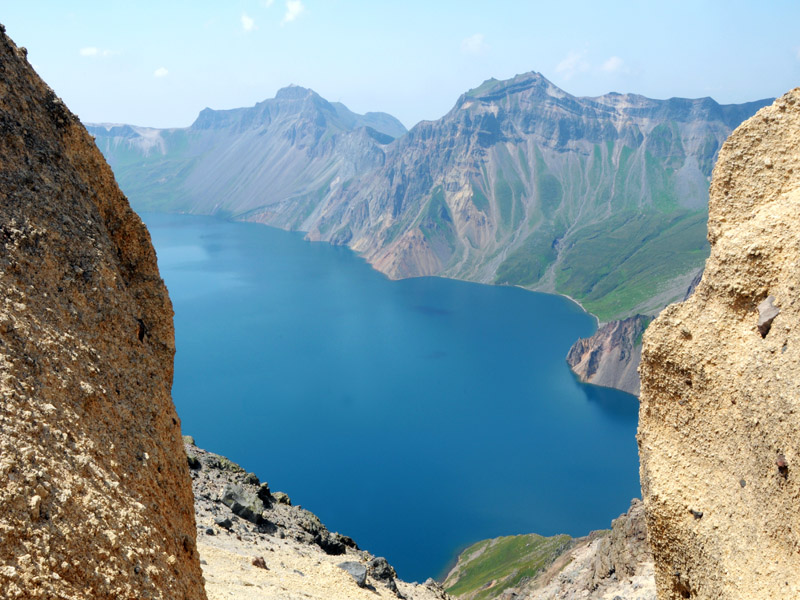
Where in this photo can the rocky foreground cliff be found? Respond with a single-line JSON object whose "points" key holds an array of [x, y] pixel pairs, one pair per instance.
{"points": [[720, 408], [254, 544], [95, 495]]}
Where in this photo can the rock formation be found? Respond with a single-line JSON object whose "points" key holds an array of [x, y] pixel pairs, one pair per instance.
{"points": [[94, 488], [610, 357], [720, 407], [254, 544]]}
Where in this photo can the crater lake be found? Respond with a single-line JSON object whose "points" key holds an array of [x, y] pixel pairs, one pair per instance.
{"points": [[415, 416]]}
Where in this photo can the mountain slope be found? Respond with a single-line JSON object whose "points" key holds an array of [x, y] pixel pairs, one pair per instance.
{"points": [[280, 156], [602, 199]]}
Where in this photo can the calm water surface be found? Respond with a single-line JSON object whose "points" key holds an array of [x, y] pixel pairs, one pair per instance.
{"points": [[415, 416]]}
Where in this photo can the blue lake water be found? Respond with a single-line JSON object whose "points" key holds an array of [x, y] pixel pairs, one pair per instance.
{"points": [[415, 416]]}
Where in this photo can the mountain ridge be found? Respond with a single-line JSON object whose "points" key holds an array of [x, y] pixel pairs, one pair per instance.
{"points": [[602, 199], [515, 184]]}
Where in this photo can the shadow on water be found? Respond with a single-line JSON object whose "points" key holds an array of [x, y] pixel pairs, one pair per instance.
{"points": [[615, 403], [433, 311]]}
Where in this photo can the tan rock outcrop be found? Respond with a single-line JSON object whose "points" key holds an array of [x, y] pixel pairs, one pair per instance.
{"points": [[719, 428], [95, 496]]}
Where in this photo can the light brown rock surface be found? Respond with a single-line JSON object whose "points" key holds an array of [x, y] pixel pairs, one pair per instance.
{"points": [[719, 428], [95, 496]]}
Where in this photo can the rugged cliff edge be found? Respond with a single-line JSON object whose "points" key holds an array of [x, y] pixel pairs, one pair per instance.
{"points": [[95, 495], [719, 415], [610, 357], [254, 544]]}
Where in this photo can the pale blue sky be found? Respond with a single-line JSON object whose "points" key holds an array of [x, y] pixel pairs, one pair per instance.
{"points": [[160, 63]]}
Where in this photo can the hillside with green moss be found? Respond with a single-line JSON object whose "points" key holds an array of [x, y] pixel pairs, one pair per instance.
{"points": [[488, 567]]}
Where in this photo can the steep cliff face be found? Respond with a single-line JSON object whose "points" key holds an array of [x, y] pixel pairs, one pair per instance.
{"points": [[719, 415], [610, 357], [94, 488]]}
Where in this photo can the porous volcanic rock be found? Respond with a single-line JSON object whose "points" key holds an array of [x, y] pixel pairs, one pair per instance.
{"points": [[95, 495], [720, 402]]}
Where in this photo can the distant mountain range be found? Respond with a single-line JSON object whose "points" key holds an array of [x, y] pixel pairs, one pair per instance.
{"points": [[602, 199]]}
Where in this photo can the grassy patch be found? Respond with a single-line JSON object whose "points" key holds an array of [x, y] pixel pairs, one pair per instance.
{"points": [[505, 561], [436, 222], [527, 264], [617, 264]]}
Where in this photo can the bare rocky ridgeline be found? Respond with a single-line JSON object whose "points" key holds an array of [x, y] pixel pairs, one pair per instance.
{"points": [[255, 544], [719, 418], [94, 488]]}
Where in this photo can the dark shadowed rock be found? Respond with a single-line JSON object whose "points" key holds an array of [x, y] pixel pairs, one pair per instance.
{"points": [[356, 570], [243, 502]]}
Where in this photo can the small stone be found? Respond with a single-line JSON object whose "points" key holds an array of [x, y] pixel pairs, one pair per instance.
{"points": [[783, 466], [225, 523], [259, 562], [282, 498], [356, 570], [210, 531], [251, 478], [264, 493], [767, 311], [380, 569], [742, 482], [35, 506]]}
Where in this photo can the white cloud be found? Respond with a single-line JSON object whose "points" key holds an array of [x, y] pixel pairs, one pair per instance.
{"points": [[294, 8], [268, 3], [574, 63], [248, 23], [92, 52], [160, 72], [613, 65], [474, 45]]}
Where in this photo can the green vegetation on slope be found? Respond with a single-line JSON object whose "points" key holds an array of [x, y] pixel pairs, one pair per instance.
{"points": [[614, 266], [502, 563], [527, 264]]}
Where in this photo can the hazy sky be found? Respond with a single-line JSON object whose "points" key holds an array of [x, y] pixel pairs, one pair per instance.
{"points": [[160, 63]]}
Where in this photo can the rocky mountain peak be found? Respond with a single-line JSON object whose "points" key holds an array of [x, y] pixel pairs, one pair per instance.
{"points": [[295, 92]]}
